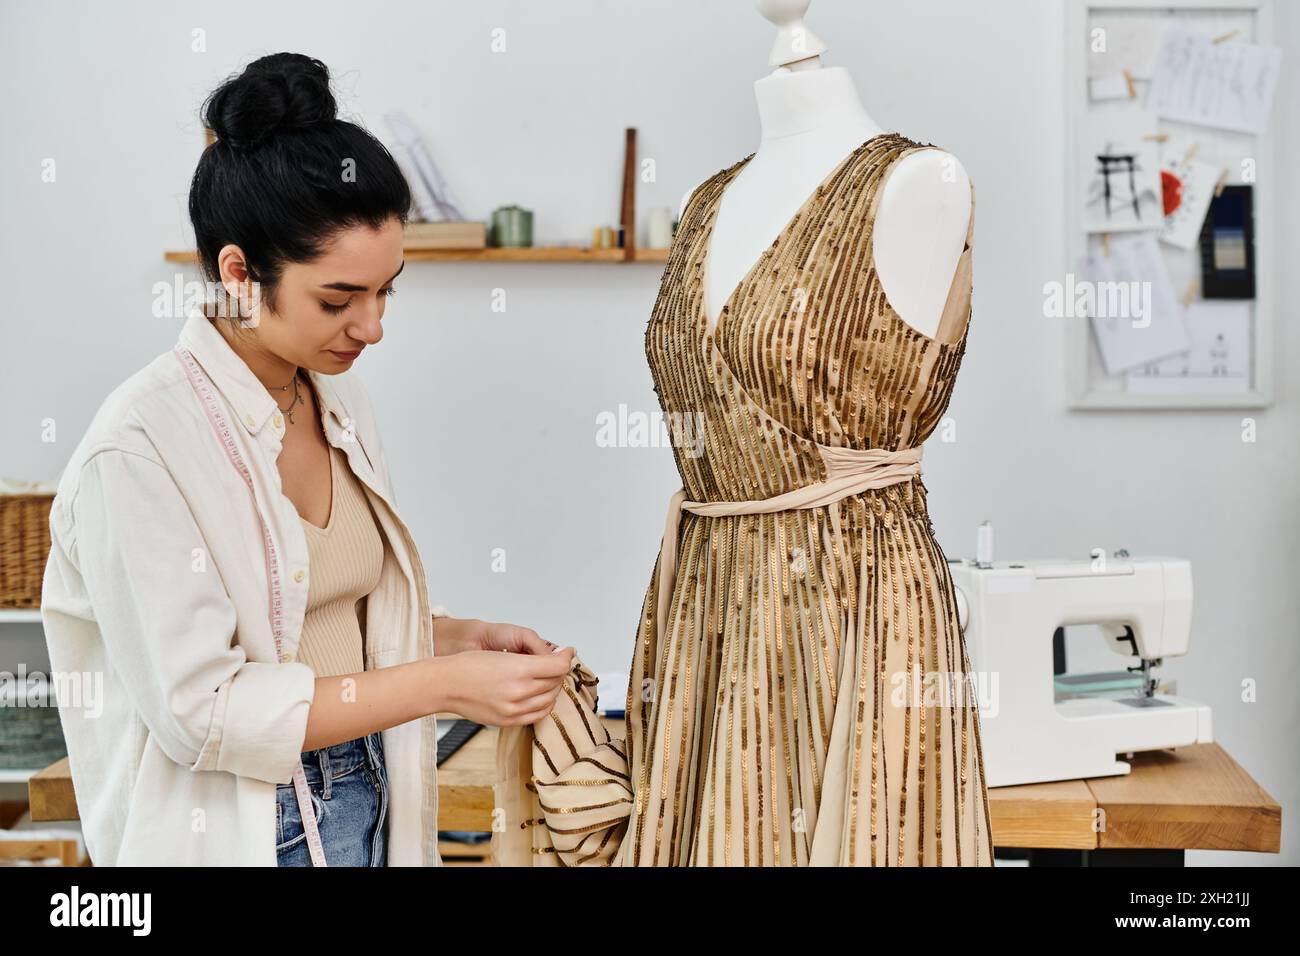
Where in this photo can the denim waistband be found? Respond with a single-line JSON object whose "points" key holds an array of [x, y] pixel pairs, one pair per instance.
{"points": [[339, 760]]}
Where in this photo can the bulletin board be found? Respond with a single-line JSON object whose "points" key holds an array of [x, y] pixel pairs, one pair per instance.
{"points": [[1138, 97]]}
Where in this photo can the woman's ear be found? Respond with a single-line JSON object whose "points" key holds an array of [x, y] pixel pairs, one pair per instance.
{"points": [[241, 289]]}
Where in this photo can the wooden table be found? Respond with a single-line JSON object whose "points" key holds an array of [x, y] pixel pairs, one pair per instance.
{"points": [[1194, 798]]}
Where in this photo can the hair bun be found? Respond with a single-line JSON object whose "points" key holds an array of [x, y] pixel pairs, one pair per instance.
{"points": [[282, 91]]}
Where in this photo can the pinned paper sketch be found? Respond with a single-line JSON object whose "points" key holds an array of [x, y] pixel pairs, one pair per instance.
{"points": [[1228, 85], [1136, 318], [1123, 41], [1218, 359], [1121, 163], [1188, 188], [429, 191]]}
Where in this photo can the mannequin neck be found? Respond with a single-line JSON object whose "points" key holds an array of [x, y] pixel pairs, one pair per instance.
{"points": [[792, 102]]}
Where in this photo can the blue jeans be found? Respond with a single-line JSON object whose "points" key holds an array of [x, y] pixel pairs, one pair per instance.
{"points": [[349, 789]]}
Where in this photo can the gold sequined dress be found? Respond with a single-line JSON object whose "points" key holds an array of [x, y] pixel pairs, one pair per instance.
{"points": [[787, 703]]}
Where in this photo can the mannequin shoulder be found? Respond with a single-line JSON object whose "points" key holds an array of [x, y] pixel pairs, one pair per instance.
{"points": [[686, 198], [925, 213], [928, 181]]}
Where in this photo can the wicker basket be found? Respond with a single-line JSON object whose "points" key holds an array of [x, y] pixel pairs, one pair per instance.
{"points": [[24, 548]]}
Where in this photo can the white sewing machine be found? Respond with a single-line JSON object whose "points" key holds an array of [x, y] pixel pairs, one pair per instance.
{"points": [[1037, 724]]}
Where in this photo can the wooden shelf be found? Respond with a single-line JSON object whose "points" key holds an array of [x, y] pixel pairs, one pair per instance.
{"points": [[18, 776], [494, 254], [20, 615], [476, 231]]}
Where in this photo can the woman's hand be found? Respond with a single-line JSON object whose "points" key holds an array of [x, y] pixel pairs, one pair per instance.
{"points": [[453, 635], [502, 690]]}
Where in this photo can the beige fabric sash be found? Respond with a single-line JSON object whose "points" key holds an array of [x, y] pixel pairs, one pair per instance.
{"points": [[565, 771], [849, 471]]}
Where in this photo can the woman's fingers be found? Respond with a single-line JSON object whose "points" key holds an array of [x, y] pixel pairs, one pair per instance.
{"points": [[516, 639], [531, 643], [541, 704], [547, 668], [532, 709]]}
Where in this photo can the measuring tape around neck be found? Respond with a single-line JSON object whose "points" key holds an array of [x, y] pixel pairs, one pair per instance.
{"points": [[207, 397]]}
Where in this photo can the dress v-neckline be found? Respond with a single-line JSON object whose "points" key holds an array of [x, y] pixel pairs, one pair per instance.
{"points": [[702, 313]]}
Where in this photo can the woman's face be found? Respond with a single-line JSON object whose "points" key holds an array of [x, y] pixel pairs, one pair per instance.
{"points": [[328, 310]]}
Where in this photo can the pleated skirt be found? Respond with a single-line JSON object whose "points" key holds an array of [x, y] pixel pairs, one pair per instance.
{"points": [[813, 703]]}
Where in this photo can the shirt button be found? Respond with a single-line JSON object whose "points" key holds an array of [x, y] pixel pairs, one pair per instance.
{"points": [[278, 420], [249, 421], [288, 658], [299, 575]]}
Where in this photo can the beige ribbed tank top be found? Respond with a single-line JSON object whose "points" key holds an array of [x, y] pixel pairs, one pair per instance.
{"points": [[345, 558]]}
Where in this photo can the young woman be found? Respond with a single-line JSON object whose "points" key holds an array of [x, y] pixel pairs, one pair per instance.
{"points": [[245, 657]]}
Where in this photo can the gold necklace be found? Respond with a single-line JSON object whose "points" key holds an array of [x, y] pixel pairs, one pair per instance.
{"points": [[297, 398]]}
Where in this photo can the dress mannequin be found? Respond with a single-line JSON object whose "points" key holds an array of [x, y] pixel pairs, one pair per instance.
{"points": [[798, 577], [811, 119]]}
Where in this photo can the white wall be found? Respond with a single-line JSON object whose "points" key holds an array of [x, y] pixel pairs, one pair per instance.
{"points": [[490, 419]]}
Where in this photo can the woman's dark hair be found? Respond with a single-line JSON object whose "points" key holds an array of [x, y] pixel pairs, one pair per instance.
{"points": [[285, 174]]}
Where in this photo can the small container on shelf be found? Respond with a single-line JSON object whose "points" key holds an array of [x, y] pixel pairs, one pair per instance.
{"points": [[512, 227]]}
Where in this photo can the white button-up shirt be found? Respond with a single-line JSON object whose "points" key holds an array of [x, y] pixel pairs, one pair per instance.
{"points": [[175, 560]]}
